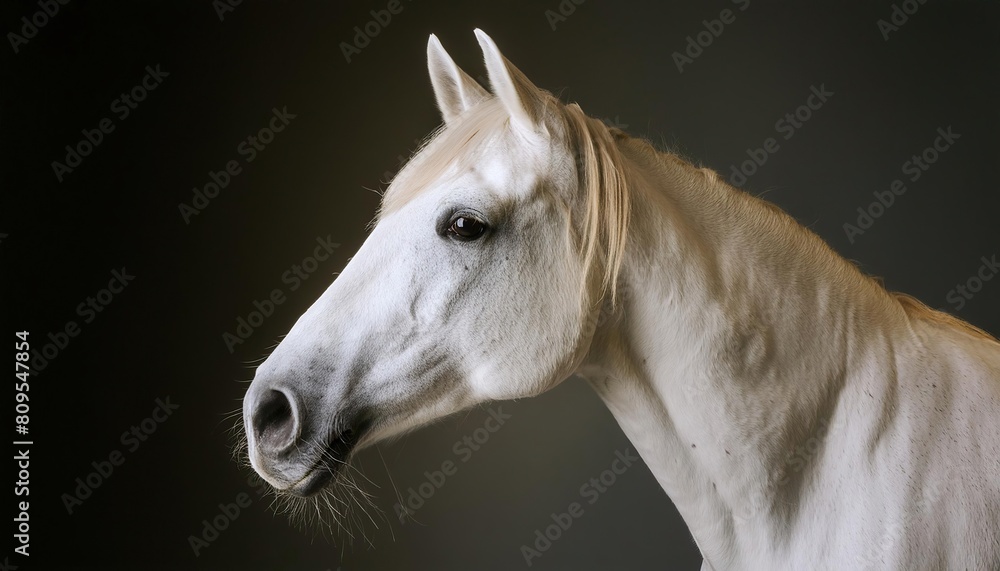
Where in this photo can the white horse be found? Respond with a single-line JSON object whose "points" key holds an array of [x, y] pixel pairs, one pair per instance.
{"points": [[798, 414]]}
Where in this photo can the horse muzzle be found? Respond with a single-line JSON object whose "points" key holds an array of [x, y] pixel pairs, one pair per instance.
{"points": [[283, 446]]}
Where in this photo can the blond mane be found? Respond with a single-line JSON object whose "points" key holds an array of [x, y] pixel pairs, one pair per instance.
{"points": [[919, 310], [911, 306], [607, 205]]}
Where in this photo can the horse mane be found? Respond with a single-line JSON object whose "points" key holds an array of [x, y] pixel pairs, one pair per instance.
{"points": [[911, 306], [601, 171], [918, 309], [608, 207]]}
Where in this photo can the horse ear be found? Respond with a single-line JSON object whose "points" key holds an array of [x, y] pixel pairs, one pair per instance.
{"points": [[454, 90], [522, 99]]}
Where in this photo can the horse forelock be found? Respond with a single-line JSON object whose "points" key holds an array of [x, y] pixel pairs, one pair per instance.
{"points": [[600, 168], [452, 145]]}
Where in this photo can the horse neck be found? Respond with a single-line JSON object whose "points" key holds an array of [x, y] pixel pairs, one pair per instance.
{"points": [[734, 337]]}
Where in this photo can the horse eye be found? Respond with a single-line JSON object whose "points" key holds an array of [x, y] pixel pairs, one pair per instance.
{"points": [[466, 228]]}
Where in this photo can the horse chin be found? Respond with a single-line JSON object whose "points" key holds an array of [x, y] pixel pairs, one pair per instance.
{"points": [[332, 460], [312, 483]]}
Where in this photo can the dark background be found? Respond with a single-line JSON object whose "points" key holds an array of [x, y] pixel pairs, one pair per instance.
{"points": [[162, 336]]}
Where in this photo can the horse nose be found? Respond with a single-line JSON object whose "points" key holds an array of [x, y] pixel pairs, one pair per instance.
{"points": [[276, 421]]}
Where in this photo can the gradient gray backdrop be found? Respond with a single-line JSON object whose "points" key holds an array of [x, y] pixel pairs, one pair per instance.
{"points": [[163, 335]]}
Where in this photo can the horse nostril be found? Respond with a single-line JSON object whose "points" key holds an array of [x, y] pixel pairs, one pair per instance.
{"points": [[275, 421]]}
